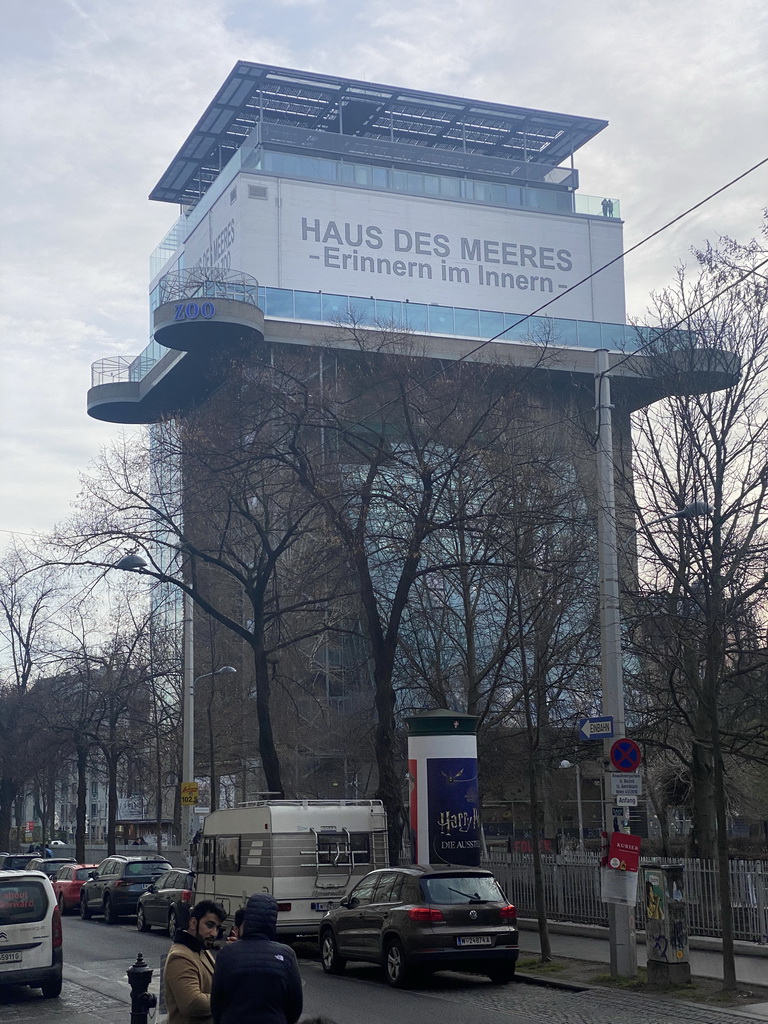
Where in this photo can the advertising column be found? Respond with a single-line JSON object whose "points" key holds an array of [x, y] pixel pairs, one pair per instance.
{"points": [[444, 798]]}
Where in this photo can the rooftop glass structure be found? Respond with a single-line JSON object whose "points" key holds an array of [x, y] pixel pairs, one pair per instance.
{"points": [[368, 122]]}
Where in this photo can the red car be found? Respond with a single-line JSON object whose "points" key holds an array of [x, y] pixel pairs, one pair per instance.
{"points": [[67, 883]]}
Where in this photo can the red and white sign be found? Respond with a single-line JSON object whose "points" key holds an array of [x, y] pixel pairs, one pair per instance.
{"points": [[624, 852], [626, 755]]}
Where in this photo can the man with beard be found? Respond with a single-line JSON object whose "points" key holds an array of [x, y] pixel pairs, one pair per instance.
{"points": [[189, 966]]}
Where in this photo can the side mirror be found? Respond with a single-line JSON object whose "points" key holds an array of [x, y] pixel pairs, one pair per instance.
{"points": [[350, 902], [93, 875]]}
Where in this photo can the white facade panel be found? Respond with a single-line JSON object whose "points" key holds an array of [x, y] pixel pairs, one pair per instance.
{"points": [[311, 236]]}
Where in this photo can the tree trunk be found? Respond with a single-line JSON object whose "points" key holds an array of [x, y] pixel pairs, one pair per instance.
{"points": [[7, 796], [270, 762], [82, 797], [538, 874]]}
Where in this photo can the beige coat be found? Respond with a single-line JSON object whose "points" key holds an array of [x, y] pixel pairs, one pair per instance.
{"points": [[188, 977]]}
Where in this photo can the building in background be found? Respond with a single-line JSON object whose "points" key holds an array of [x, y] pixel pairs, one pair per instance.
{"points": [[307, 200]]}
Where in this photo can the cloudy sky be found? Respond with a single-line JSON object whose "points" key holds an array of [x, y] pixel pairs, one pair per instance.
{"points": [[96, 98]]}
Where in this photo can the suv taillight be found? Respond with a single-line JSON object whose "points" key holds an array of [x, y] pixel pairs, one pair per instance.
{"points": [[186, 895], [121, 883], [56, 928], [508, 913], [425, 914]]}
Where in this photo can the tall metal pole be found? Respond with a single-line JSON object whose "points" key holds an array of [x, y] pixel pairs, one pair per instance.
{"points": [[579, 807], [621, 919], [188, 719]]}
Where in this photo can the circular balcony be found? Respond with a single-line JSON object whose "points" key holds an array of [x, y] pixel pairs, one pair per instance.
{"points": [[208, 310]]}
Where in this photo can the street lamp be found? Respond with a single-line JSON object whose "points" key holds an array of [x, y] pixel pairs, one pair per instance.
{"points": [[188, 738], [577, 766], [621, 918]]}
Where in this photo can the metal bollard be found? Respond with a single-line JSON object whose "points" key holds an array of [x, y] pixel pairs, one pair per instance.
{"points": [[142, 1001]]}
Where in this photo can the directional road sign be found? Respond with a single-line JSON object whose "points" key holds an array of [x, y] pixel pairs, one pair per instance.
{"points": [[596, 728], [626, 755]]}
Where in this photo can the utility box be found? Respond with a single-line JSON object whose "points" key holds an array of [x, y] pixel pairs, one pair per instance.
{"points": [[666, 928]]}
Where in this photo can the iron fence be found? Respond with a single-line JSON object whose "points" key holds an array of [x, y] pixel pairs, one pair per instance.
{"points": [[572, 891]]}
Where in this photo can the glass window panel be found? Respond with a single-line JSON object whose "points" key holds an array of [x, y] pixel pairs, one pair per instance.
{"points": [[566, 332], [517, 331], [362, 174], [416, 316], [415, 182], [514, 195], [307, 305], [466, 321], [589, 334], [432, 184], [466, 188], [335, 307], [613, 336], [490, 323], [348, 172], [388, 312], [363, 310], [449, 186], [279, 302], [441, 319], [398, 180], [380, 176]]}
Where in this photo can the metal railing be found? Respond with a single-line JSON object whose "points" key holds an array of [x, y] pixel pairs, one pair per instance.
{"points": [[208, 283], [572, 891]]}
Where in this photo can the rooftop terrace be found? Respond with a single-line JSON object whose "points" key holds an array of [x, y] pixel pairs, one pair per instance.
{"points": [[378, 116]]}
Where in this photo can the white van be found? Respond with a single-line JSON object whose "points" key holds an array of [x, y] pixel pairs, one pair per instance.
{"points": [[30, 932], [306, 853]]}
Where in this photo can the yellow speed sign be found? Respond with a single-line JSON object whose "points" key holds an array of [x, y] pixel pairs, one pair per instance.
{"points": [[189, 793]]}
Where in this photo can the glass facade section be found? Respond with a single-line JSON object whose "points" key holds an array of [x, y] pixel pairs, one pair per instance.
{"points": [[439, 186]]}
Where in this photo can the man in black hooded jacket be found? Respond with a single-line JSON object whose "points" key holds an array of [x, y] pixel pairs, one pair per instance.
{"points": [[256, 979]]}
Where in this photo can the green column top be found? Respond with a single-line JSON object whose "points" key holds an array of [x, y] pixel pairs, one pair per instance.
{"points": [[442, 722]]}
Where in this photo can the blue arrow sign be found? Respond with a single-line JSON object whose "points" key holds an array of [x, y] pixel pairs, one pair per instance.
{"points": [[596, 728]]}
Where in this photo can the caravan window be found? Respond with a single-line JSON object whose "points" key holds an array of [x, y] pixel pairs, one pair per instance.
{"points": [[332, 848], [227, 854], [206, 862]]}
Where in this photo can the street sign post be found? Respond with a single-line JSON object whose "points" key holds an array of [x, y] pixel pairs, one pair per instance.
{"points": [[626, 755], [596, 728]]}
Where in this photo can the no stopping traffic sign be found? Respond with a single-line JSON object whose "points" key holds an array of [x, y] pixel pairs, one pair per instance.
{"points": [[626, 755]]}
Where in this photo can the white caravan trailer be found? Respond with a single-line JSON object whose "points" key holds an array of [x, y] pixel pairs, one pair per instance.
{"points": [[306, 853]]}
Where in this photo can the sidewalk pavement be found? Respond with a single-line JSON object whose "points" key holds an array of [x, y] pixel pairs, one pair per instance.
{"points": [[589, 942]]}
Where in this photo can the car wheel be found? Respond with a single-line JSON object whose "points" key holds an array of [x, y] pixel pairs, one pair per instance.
{"points": [[395, 964], [51, 989], [173, 924], [62, 905], [110, 914], [501, 974], [332, 962], [85, 912], [141, 921]]}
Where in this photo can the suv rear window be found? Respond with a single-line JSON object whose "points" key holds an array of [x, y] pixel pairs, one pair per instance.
{"points": [[22, 902], [449, 889], [143, 868], [19, 863]]}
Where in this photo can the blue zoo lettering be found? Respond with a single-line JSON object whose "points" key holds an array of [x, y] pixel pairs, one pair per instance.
{"points": [[191, 311]]}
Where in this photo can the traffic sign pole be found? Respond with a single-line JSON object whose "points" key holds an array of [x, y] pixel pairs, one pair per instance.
{"points": [[621, 919]]}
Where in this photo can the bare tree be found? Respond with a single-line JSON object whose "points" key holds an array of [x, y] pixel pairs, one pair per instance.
{"points": [[704, 576]]}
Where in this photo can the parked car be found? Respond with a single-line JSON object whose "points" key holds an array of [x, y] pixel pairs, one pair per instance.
{"points": [[67, 883], [113, 889], [49, 865], [166, 902], [16, 861], [30, 924], [56, 842], [419, 919]]}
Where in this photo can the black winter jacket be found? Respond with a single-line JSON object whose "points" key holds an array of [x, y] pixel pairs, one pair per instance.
{"points": [[256, 980]]}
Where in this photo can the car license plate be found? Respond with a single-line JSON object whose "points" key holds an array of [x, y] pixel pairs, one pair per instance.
{"points": [[325, 907], [10, 958], [474, 940]]}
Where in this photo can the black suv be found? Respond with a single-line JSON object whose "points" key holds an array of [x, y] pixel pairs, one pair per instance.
{"points": [[113, 889], [418, 919], [166, 903]]}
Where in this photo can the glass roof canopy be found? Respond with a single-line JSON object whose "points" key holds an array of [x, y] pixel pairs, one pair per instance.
{"points": [[255, 93]]}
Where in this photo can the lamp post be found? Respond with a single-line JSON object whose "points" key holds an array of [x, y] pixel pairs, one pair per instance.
{"points": [[188, 721], [621, 918], [580, 811], [135, 563]]}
